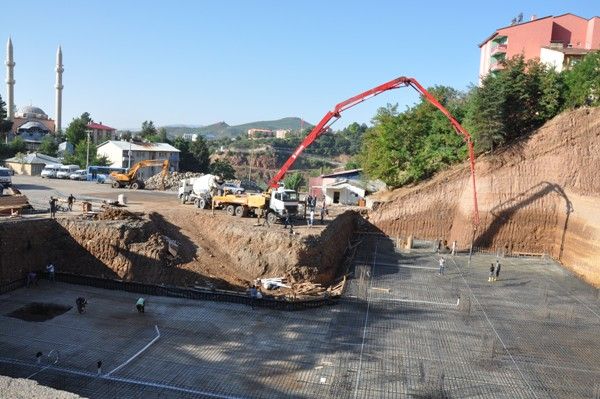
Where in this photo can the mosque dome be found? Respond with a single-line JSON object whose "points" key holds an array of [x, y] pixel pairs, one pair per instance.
{"points": [[34, 126], [30, 111]]}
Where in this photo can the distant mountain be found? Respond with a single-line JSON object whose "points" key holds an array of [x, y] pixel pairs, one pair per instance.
{"points": [[222, 129], [183, 125]]}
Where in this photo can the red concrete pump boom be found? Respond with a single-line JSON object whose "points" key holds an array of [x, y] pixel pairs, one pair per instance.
{"points": [[332, 116]]}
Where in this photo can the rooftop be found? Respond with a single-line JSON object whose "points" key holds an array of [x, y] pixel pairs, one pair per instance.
{"points": [[138, 146], [99, 126], [35, 158], [342, 172]]}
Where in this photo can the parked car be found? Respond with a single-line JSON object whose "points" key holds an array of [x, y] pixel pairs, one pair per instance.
{"points": [[80, 174], [233, 188], [5, 179], [65, 171], [50, 171]]}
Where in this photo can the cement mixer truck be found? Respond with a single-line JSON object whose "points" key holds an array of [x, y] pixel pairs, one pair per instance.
{"points": [[208, 192], [199, 190]]}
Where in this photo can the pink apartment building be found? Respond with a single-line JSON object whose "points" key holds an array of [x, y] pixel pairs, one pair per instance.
{"points": [[558, 41]]}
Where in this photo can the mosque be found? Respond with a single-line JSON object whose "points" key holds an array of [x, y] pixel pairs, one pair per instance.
{"points": [[31, 123]]}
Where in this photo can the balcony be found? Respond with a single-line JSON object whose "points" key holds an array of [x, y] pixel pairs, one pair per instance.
{"points": [[496, 65], [498, 50]]}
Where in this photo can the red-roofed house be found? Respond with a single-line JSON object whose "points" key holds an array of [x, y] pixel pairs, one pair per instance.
{"points": [[100, 133], [558, 41]]}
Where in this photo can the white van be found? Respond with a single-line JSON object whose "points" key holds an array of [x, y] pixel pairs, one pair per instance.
{"points": [[66, 170], [5, 179], [50, 170]]}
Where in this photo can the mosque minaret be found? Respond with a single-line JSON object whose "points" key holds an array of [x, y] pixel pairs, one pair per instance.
{"points": [[59, 88], [32, 112], [10, 80]]}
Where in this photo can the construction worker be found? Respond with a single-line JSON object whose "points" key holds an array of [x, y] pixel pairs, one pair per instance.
{"points": [[286, 219], [70, 200], [253, 292], [442, 265], [140, 305], [31, 279], [52, 203], [50, 271], [497, 271], [81, 302]]}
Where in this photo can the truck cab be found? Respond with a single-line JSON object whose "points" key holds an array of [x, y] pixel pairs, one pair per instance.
{"points": [[283, 198]]}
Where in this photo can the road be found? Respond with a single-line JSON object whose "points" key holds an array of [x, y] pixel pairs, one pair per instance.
{"points": [[39, 191]]}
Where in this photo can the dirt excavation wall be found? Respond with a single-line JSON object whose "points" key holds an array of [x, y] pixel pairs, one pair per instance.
{"points": [[213, 251], [541, 195], [29, 245]]}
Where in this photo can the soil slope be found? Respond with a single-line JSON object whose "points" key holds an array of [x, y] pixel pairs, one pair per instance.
{"points": [[540, 195], [214, 251]]}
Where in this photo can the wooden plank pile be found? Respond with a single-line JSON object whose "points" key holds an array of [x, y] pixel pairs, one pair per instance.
{"points": [[15, 203]]}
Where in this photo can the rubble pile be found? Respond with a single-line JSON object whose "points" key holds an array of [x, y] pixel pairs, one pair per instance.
{"points": [[171, 180]]}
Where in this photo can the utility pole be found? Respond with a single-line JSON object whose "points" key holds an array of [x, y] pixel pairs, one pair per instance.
{"points": [[129, 156], [87, 157]]}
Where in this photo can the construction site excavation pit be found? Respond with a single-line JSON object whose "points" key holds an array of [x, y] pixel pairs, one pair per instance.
{"points": [[184, 248]]}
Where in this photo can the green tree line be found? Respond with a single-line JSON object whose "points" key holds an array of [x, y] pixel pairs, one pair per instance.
{"points": [[408, 146]]}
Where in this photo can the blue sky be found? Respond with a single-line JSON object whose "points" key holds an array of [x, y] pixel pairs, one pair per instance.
{"points": [[199, 62]]}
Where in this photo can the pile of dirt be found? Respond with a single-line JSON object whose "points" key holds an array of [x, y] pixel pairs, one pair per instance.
{"points": [[239, 251], [541, 195], [111, 213]]}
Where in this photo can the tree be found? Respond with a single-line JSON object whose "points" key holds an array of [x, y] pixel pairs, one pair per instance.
{"points": [[294, 181], [223, 169], [76, 131], [193, 156], [126, 135], [80, 156], [48, 146], [148, 129], [406, 147], [200, 152], [162, 135], [18, 145], [5, 125], [352, 164], [513, 102], [583, 82]]}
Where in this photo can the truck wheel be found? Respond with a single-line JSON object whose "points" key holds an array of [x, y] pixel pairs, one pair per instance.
{"points": [[240, 211], [271, 218], [135, 185], [230, 210], [115, 184], [201, 203]]}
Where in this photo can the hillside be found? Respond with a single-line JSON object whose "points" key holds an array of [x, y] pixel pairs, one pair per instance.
{"points": [[222, 129], [540, 195]]}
